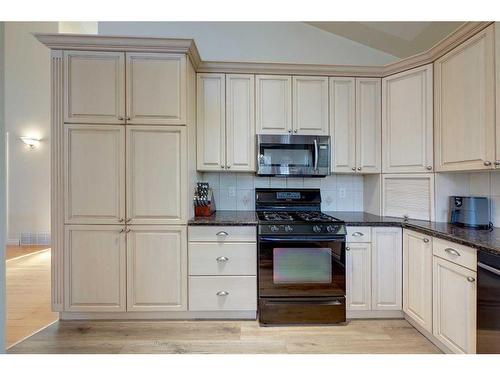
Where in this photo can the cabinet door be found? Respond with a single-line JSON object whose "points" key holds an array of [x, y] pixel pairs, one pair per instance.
{"points": [[157, 268], [358, 276], [94, 87], [343, 124], [156, 174], [211, 122], [417, 278], [94, 268], [407, 125], [273, 104], [310, 105], [454, 306], [156, 88], [387, 251], [94, 174], [240, 124], [464, 82], [368, 127]]}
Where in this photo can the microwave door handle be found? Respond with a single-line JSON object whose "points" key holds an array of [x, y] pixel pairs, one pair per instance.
{"points": [[315, 154]]}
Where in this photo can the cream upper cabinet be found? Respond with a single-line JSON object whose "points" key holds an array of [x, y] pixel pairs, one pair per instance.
{"points": [[156, 88], [211, 122], [343, 124], [273, 104], [94, 174], [240, 122], [454, 306], [358, 276], [94, 87], [310, 105], [368, 126], [156, 174], [94, 268], [464, 84], [417, 278], [387, 269], [156, 268], [407, 121]]}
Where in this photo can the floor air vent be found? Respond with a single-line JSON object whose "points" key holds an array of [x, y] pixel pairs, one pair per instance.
{"points": [[41, 238]]}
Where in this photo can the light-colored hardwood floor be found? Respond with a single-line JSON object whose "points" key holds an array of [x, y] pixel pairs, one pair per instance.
{"points": [[231, 337], [28, 294], [13, 252]]}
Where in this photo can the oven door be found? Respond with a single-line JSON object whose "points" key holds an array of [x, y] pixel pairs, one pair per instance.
{"points": [[301, 266]]}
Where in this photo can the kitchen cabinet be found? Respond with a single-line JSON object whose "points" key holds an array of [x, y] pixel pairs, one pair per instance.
{"points": [[358, 276], [310, 105], [464, 80], [417, 278], [94, 173], [94, 268], [386, 269], [407, 121], [273, 104], [156, 88], [94, 87], [355, 124], [156, 268], [454, 306], [156, 174]]}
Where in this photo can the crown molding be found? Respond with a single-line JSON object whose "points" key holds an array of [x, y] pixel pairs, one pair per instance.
{"points": [[188, 46]]}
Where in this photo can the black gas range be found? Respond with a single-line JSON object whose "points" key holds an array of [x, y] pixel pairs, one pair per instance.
{"points": [[301, 259]]}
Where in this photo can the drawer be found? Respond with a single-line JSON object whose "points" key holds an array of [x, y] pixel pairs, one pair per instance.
{"points": [[456, 253], [214, 293], [359, 234], [222, 233], [222, 258]]}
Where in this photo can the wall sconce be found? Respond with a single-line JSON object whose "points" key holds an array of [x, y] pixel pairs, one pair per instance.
{"points": [[32, 143]]}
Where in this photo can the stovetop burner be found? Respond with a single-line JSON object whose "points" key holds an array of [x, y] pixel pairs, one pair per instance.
{"points": [[276, 216], [298, 216]]}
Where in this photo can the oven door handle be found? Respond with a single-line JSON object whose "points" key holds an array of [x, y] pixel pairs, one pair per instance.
{"points": [[296, 239]]}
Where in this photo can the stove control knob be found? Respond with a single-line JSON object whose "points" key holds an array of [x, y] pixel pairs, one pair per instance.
{"points": [[274, 228], [317, 228], [331, 228], [288, 228]]}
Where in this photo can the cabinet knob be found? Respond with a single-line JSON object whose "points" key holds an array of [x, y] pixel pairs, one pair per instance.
{"points": [[347, 248], [359, 168], [353, 168], [426, 240], [429, 167], [289, 130], [121, 231], [497, 162], [471, 279], [487, 163], [120, 118], [128, 220], [228, 166], [127, 118], [295, 131], [121, 220], [128, 230], [222, 167]]}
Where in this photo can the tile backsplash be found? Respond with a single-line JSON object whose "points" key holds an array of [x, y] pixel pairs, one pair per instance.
{"points": [[235, 191]]}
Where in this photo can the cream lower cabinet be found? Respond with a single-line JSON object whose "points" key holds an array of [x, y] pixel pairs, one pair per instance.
{"points": [[358, 276], [417, 278], [156, 268], [95, 268]]}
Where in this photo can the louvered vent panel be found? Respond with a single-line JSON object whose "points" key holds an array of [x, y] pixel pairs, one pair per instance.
{"points": [[41, 238]]}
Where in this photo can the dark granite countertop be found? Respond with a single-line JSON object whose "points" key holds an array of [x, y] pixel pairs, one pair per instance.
{"points": [[485, 240]]}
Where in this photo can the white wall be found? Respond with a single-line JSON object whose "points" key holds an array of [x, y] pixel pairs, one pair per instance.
{"points": [[3, 215], [288, 42], [27, 109]]}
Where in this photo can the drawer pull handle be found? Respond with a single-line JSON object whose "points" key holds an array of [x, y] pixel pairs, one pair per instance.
{"points": [[222, 259], [221, 233], [358, 234], [471, 279], [222, 293], [451, 251]]}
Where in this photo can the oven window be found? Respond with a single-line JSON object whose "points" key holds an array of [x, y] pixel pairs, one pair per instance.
{"points": [[292, 157], [302, 265]]}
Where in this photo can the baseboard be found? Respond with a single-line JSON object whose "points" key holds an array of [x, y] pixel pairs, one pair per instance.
{"points": [[428, 335], [13, 242], [173, 315], [374, 314]]}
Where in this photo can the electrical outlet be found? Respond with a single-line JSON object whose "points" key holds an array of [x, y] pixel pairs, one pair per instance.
{"points": [[232, 191], [342, 193]]}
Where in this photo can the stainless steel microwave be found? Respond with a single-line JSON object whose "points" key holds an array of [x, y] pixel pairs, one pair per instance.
{"points": [[293, 155]]}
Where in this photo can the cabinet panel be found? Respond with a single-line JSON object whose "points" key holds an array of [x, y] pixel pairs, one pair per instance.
{"points": [[358, 276], [94, 268], [156, 88], [368, 126], [273, 104], [454, 306], [464, 105], [157, 268], [240, 124], [156, 174], [417, 278], [407, 125], [343, 124], [310, 105], [387, 268], [94, 161], [94, 87], [211, 122]]}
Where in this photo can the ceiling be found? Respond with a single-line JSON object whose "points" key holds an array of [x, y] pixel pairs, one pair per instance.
{"points": [[400, 39]]}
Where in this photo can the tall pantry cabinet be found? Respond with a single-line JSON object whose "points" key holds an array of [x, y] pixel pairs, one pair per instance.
{"points": [[122, 135]]}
